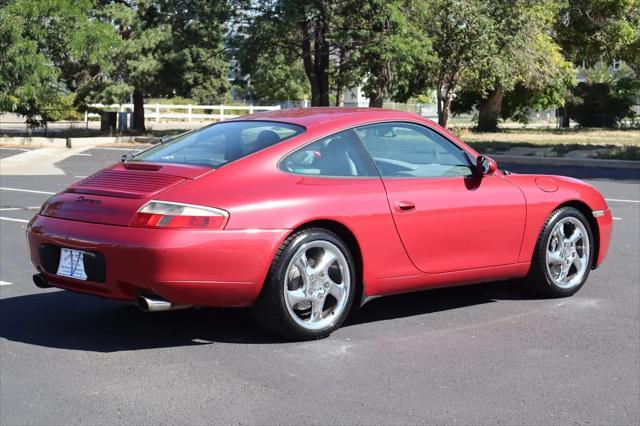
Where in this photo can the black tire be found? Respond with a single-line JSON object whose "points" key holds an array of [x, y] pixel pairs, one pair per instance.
{"points": [[539, 280], [270, 310]]}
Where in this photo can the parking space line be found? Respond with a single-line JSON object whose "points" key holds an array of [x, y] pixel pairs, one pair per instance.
{"points": [[617, 218], [10, 219], [81, 155], [26, 190], [118, 149], [5, 283], [622, 201]]}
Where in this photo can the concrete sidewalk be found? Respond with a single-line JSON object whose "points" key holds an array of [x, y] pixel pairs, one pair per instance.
{"points": [[41, 161]]}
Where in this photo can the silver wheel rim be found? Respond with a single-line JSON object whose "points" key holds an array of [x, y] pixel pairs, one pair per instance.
{"points": [[317, 285], [567, 256]]}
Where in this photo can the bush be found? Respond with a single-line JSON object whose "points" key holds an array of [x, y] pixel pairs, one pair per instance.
{"points": [[603, 104]]}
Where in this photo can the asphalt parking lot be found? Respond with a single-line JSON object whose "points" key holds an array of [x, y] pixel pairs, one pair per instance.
{"points": [[482, 354]]}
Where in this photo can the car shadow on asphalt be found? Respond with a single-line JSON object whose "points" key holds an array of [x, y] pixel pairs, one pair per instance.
{"points": [[66, 320]]}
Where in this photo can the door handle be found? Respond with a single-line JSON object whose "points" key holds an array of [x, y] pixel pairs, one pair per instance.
{"points": [[405, 206]]}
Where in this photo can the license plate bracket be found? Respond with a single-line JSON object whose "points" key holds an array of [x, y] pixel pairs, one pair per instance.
{"points": [[72, 264]]}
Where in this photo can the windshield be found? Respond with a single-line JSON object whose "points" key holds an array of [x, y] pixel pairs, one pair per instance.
{"points": [[221, 143]]}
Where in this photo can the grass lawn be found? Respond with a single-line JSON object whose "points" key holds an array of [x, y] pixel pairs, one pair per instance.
{"points": [[616, 144]]}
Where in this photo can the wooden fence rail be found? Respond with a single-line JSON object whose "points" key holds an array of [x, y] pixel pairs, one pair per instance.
{"points": [[159, 112]]}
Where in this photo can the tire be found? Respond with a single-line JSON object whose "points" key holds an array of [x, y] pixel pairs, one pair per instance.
{"points": [[310, 286], [560, 248]]}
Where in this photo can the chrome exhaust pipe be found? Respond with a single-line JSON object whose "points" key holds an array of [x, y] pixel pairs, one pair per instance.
{"points": [[156, 304], [40, 281]]}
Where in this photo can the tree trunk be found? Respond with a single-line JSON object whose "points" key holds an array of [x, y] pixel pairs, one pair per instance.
{"points": [[444, 105], [138, 110], [322, 71], [307, 59], [565, 121], [340, 95], [376, 100], [489, 111], [316, 60], [443, 117]]}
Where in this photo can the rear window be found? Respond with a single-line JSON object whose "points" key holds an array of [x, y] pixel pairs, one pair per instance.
{"points": [[220, 144]]}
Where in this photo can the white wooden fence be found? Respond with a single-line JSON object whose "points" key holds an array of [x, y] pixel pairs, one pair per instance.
{"points": [[160, 112]]}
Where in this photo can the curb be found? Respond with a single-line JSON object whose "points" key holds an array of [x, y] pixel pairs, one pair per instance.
{"points": [[41, 142], [572, 162], [33, 142]]}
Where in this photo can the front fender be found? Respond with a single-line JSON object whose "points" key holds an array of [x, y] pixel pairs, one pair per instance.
{"points": [[544, 194]]}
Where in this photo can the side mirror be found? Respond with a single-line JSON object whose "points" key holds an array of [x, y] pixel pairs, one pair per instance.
{"points": [[486, 165]]}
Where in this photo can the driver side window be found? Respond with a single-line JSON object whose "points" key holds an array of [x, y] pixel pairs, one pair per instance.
{"points": [[411, 150]]}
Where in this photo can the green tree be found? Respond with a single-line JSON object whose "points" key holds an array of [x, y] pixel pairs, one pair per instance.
{"points": [[390, 48], [169, 47], [299, 30], [276, 78], [462, 36], [591, 31], [604, 98], [523, 59], [49, 48]]}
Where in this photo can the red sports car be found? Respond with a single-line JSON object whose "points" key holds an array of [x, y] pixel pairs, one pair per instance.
{"points": [[304, 214]]}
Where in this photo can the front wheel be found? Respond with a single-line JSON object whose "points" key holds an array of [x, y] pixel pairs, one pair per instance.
{"points": [[564, 254], [310, 286]]}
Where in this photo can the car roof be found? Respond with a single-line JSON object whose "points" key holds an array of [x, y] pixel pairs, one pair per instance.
{"points": [[320, 116]]}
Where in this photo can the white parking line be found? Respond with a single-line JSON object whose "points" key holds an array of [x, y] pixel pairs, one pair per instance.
{"points": [[622, 201], [81, 155], [14, 149], [10, 219], [26, 190], [118, 149], [617, 218], [80, 177], [5, 283]]}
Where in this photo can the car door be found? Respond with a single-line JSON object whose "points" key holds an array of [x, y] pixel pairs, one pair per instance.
{"points": [[448, 218]]}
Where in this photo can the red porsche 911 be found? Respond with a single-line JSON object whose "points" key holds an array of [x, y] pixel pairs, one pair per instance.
{"points": [[304, 214]]}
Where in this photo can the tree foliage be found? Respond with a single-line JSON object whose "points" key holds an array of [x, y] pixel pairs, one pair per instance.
{"points": [[49, 48], [590, 31], [390, 50], [524, 70], [503, 57], [168, 47], [604, 98], [378, 47]]}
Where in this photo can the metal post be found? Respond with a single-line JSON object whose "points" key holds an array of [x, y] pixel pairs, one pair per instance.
{"points": [[221, 112], [157, 113], [189, 112]]}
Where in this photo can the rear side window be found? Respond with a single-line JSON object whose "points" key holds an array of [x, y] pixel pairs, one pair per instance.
{"points": [[341, 154], [220, 144]]}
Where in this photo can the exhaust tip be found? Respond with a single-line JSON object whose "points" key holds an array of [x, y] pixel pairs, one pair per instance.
{"points": [[40, 281], [155, 304], [152, 304]]}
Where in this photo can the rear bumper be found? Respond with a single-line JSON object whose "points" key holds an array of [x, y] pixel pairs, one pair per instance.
{"points": [[605, 228], [183, 266]]}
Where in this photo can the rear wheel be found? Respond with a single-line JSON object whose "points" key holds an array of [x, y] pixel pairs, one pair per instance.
{"points": [[564, 254], [310, 287]]}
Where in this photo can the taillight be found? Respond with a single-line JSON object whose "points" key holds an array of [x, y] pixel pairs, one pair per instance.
{"points": [[165, 214]]}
